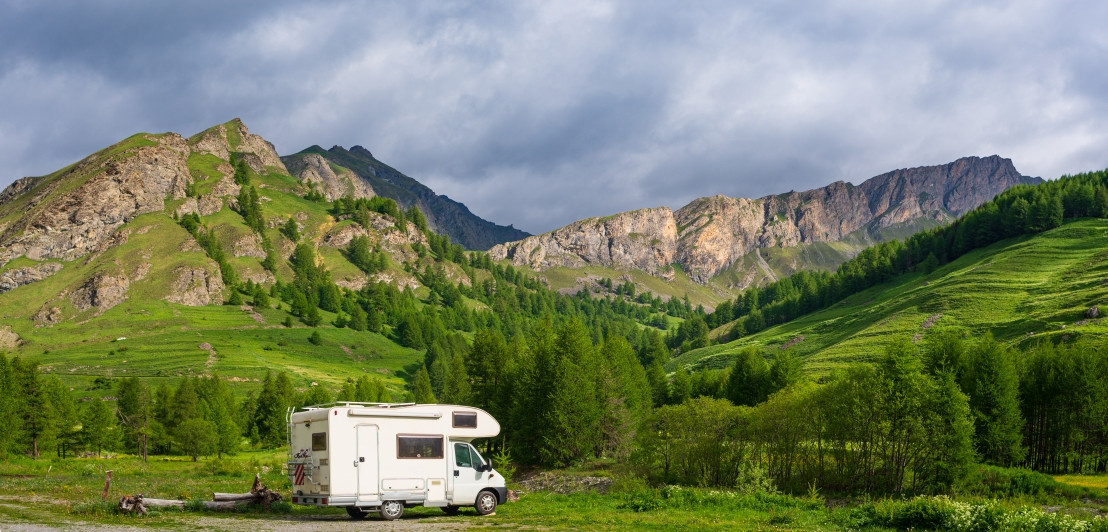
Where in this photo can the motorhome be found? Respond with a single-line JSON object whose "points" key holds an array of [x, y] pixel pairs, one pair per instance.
{"points": [[385, 457]]}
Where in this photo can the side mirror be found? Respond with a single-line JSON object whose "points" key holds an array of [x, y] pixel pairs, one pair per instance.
{"points": [[486, 467]]}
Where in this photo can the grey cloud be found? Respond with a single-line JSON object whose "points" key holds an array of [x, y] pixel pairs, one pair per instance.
{"points": [[541, 113]]}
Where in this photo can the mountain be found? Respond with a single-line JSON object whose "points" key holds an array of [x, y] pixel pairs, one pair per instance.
{"points": [[1022, 290], [99, 277], [356, 171], [765, 238]]}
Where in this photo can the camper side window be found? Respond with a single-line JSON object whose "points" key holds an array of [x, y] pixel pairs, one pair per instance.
{"points": [[419, 447], [465, 420], [461, 455], [319, 441]]}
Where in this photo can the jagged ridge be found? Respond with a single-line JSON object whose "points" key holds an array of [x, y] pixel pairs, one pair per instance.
{"points": [[712, 234], [444, 215]]}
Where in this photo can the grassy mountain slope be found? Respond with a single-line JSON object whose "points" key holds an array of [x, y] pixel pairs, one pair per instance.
{"points": [[1022, 290], [148, 336]]}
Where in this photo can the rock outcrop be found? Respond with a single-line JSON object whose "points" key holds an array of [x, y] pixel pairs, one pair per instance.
{"points": [[101, 292], [645, 240], [12, 279], [711, 234], [115, 185], [234, 137], [313, 168], [444, 215], [195, 286]]}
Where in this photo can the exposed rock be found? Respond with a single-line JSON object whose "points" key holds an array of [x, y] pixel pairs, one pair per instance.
{"points": [[47, 317], [256, 151], [1093, 312], [119, 186], [12, 279], [313, 168], [342, 236], [141, 271], [249, 246], [645, 240], [444, 215], [716, 232], [18, 188], [101, 292], [195, 286], [8, 339]]}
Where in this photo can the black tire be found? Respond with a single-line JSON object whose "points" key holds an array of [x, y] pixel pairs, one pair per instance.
{"points": [[486, 503], [356, 513], [392, 510], [451, 510]]}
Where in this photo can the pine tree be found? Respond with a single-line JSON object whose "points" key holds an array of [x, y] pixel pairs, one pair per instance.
{"points": [[99, 430], [422, 388], [748, 383], [993, 389], [9, 408], [35, 408]]}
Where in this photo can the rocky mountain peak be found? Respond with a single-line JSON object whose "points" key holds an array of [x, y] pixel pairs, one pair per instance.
{"points": [[233, 137], [714, 233]]}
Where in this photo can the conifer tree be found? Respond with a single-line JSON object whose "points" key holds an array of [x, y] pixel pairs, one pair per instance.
{"points": [[422, 391]]}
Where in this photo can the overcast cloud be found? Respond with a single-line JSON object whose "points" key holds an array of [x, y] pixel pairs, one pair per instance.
{"points": [[541, 113]]}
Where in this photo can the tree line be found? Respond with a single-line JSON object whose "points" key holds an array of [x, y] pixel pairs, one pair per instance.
{"points": [[1020, 210]]}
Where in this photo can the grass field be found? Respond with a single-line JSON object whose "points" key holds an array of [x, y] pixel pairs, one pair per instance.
{"points": [[1021, 290], [68, 493]]}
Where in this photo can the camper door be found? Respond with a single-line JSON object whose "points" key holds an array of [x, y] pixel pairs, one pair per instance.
{"points": [[468, 477]]}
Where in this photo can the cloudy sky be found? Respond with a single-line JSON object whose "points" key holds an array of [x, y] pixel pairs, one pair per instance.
{"points": [[541, 113]]}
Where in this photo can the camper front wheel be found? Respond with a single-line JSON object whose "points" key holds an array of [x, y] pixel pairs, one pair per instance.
{"points": [[486, 503], [392, 510]]}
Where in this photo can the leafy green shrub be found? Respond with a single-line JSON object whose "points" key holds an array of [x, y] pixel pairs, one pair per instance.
{"points": [[992, 481]]}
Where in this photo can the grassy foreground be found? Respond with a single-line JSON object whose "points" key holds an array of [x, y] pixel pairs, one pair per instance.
{"points": [[67, 493]]}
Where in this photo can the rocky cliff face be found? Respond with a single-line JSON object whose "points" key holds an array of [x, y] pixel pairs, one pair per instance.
{"points": [[313, 168], [444, 215], [711, 234], [644, 240], [234, 137], [68, 215]]}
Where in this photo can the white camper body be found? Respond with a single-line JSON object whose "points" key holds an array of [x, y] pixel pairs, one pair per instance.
{"points": [[383, 456]]}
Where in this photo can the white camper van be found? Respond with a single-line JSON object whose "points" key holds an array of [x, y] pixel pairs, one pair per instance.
{"points": [[385, 457]]}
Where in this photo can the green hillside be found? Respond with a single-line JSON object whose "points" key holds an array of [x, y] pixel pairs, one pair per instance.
{"points": [[1022, 290], [147, 336]]}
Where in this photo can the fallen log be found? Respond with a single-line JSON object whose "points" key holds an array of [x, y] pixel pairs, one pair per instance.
{"points": [[233, 496], [259, 494]]}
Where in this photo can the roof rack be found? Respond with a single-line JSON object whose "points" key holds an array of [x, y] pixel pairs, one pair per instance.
{"points": [[355, 403]]}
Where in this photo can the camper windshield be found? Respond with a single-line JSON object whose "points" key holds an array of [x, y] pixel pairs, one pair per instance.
{"points": [[466, 456]]}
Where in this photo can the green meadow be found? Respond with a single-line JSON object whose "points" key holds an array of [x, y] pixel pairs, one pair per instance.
{"points": [[1022, 290]]}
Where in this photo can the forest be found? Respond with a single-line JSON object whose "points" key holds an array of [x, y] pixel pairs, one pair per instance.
{"points": [[574, 378]]}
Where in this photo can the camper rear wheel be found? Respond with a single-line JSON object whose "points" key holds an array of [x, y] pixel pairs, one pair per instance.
{"points": [[392, 510], [356, 513], [486, 503]]}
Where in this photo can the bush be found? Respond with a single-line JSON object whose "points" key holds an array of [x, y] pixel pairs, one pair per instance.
{"points": [[992, 481]]}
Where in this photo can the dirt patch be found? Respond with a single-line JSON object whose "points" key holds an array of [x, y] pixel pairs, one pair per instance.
{"points": [[792, 342], [212, 355], [930, 321]]}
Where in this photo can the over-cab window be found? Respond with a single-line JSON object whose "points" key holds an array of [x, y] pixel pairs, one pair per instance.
{"points": [[319, 441], [419, 447], [465, 420]]}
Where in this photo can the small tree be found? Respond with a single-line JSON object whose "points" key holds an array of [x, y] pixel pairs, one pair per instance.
{"points": [[198, 437], [291, 230]]}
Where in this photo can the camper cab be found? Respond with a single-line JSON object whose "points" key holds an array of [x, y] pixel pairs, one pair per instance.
{"points": [[385, 457]]}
